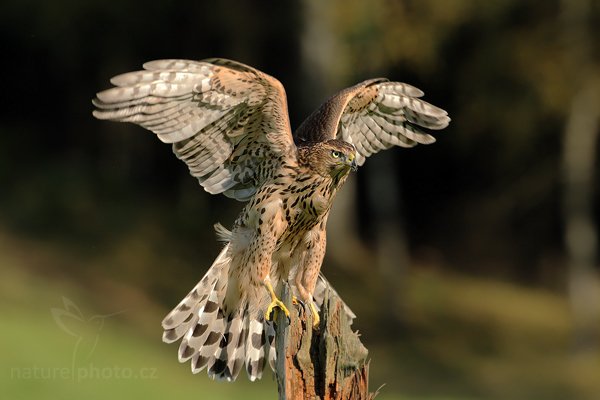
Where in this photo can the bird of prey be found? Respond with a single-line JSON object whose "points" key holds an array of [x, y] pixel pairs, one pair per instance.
{"points": [[229, 123]]}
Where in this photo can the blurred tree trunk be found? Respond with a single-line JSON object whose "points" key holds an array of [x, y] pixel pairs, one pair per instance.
{"points": [[323, 58], [579, 160], [322, 76]]}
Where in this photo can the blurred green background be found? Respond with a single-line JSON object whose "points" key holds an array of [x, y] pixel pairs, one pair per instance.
{"points": [[472, 264]]}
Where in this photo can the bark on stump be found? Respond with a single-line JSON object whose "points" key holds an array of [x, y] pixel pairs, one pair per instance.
{"points": [[325, 363]]}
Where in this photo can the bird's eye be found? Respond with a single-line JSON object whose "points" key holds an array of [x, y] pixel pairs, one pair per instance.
{"points": [[335, 154]]}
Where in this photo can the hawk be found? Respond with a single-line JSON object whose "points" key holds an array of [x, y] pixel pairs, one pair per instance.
{"points": [[229, 123]]}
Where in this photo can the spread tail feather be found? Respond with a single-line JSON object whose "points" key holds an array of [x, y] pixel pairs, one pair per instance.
{"points": [[185, 315], [230, 358], [226, 340], [213, 337]]}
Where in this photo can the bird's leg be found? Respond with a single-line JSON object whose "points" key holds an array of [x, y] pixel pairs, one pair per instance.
{"points": [[275, 302], [307, 299], [269, 226], [306, 276]]}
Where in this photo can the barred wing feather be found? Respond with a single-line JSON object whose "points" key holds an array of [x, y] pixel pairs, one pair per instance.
{"points": [[373, 116], [227, 121]]}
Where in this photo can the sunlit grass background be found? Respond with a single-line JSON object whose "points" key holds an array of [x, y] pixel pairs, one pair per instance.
{"points": [[469, 338]]}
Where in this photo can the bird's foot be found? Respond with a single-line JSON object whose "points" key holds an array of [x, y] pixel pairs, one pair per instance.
{"points": [[275, 303], [313, 310]]}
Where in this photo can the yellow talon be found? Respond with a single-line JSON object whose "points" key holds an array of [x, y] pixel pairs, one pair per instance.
{"points": [[275, 302], [279, 304], [313, 311], [315, 314]]}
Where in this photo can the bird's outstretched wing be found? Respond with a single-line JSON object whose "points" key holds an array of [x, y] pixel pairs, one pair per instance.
{"points": [[227, 121], [374, 115]]}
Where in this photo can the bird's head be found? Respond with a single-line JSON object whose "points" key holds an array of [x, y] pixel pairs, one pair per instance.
{"points": [[332, 158]]}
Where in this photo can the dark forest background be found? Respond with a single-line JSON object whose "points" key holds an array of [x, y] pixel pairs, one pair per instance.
{"points": [[472, 263]]}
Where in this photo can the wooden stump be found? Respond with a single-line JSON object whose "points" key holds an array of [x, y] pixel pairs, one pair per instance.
{"points": [[325, 363]]}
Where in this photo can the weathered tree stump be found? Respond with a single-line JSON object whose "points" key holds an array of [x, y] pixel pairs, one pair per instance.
{"points": [[325, 363]]}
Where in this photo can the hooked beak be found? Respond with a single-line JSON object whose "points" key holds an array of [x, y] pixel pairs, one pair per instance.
{"points": [[351, 162]]}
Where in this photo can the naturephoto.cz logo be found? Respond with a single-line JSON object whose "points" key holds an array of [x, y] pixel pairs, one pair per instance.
{"points": [[82, 373], [86, 334]]}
